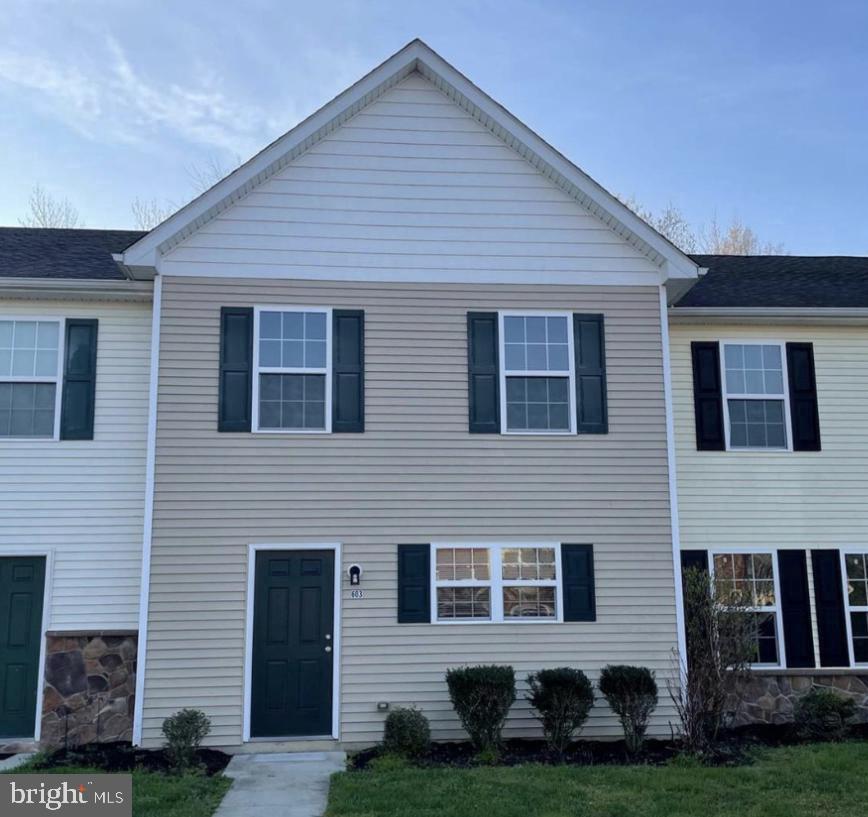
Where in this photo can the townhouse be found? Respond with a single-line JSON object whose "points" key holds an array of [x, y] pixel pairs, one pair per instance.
{"points": [[394, 396]]}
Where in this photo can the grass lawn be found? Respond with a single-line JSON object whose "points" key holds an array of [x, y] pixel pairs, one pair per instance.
{"points": [[161, 795], [804, 781]]}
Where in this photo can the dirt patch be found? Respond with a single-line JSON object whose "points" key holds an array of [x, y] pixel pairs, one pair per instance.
{"points": [[124, 757]]}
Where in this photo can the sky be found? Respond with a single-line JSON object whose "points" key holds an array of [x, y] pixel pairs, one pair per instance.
{"points": [[756, 110]]}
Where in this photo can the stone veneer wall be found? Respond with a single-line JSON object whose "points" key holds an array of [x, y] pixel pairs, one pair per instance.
{"points": [[770, 698], [90, 688]]}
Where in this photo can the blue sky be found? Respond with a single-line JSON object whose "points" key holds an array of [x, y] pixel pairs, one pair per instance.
{"points": [[750, 109]]}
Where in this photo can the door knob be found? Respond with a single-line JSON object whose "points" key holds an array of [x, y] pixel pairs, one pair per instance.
{"points": [[328, 649]]}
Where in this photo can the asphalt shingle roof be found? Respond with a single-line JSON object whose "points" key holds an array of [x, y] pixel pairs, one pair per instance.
{"points": [[39, 252], [822, 281]]}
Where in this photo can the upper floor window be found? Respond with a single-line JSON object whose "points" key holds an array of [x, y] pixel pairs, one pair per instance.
{"points": [[30, 365], [754, 395], [497, 582], [292, 377], [856, 587], [749, 580], [537, 373]]}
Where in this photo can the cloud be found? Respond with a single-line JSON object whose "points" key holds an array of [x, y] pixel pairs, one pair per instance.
{"points": [[103, 97]]}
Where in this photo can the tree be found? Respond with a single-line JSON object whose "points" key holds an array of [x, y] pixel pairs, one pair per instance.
{"points": [[149, 213], [204, 175], [46, 211]]}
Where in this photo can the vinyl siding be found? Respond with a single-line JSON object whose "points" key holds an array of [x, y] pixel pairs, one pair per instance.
{"points": [[85, 498], [415, 475]]}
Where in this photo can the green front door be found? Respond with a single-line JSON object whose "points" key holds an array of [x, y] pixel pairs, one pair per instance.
{"points": [[22, 585], [293, 643]]}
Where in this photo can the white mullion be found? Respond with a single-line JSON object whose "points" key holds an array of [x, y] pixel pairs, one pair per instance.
{"points": [[496, 561]]}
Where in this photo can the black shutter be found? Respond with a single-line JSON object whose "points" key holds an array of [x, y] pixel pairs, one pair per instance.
{"points": [[414, 584], [236, 368], [691, 560], [79, 379], [589, 337], [482, 372], [707, 401], [803, 397], [348, 370], [577, 564], [694, 558], [829, 601], [796, 608]]}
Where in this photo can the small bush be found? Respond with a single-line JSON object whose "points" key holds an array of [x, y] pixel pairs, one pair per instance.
{"points": [[563, 698], [482, 697], [823, 715], [389, 763], [184, 732], [406, 733], [631, 692]]}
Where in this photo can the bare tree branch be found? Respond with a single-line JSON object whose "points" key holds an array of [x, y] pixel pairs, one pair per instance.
{"points": [[46, 211], [206, 174], [148, 213]]}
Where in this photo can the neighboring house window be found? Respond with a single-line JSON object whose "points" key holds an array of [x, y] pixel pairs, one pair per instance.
{"points": [[537, 373], [497, 582], [856, 587], [749, 579], [754, 395], [292, 358], [30, 355]]}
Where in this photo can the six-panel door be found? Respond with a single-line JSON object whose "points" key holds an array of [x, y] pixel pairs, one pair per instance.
{"points": [[293, 644], [22, 586]]}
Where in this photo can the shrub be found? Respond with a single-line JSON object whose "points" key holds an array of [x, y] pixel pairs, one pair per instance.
{"points": [[631, 693], [823, 715], [184, 732], [563, 697], [406, 733], [482, 696]]}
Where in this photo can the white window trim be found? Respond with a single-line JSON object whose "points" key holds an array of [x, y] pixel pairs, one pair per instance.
{"points": [[60, 320], [327, 370], [776, 608], [788, 425], [502, 374], [851, 608], [497, 582]]}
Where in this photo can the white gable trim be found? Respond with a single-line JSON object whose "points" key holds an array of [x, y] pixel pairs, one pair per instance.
{"points": [[142, 257]]}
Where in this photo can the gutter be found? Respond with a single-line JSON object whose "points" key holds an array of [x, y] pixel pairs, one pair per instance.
{"points": [[73, 289], [853, 316]]}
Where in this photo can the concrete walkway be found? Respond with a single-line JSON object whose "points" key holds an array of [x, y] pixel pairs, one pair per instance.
{"points": [[15, 761], [280, 785]]}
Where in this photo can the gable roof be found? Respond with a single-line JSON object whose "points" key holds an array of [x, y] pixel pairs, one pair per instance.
{"points": [[779, 281], [40, 252], [142, 257]]}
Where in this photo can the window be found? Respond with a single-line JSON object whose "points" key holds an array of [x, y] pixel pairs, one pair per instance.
{"points": [[514, 582], [30, 355], [749, 578], [754, 395], [537, 373], [292, 357], [856, 588]]}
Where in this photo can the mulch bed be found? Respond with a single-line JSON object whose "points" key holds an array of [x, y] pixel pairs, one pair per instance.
{"points": [[734, 749], [124, 757]]}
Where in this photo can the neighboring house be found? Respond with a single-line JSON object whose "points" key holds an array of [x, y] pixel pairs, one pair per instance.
{"points": [[74, 373], [770, 378], [410, 337]]}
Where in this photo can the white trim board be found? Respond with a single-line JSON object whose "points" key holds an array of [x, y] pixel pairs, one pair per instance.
{"points": [[143, 256], [48, 554], [150, 465], [252, 550]]}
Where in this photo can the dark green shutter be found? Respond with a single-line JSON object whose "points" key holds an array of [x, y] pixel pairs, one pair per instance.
{"points": [[803, 397], [348, 370], [589, 338], [707, 400], [79, 379], [829, 601], [236, 368], [577, 565], [483, 374], [796, 608], [414, 584]]}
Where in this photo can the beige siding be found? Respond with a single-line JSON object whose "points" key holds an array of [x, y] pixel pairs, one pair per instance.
{"points": [[415, 475], [85, 499], [779, 499]]}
